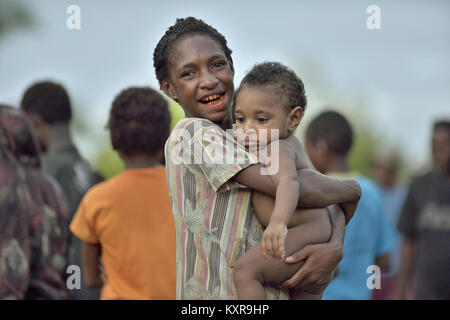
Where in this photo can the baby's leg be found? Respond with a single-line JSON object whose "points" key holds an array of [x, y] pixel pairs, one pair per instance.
{"points": [[252, 271], [312, 292], [247, 276]]}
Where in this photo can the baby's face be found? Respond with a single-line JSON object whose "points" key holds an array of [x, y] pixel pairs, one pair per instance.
{"points": [[260, 112]]}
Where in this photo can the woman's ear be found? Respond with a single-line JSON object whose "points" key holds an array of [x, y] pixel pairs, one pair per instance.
{"points": [[168, 89], [294, 118], [230, 61]]}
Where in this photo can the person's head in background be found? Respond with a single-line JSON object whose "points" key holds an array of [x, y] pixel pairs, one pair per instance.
{"points": [[329, 138], [193, 65], [48, 106], [385, 166], [441, 146], [19, 138], [139, 123], [271, 96]]}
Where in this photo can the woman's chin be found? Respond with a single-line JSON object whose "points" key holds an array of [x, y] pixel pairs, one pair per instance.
{"points": [[215, 115]]}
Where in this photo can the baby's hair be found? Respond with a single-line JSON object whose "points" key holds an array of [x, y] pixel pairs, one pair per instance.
{"points": [[49, 100], [276, 74], [334, 128], [139, 122], [182, 27]]}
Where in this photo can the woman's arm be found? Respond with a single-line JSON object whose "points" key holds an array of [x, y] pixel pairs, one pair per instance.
{"points": [[316, 190], [91, 260]]}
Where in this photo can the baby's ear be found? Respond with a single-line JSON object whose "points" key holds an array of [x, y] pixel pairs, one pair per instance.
{"points": [[294, 118], [168, 89]]}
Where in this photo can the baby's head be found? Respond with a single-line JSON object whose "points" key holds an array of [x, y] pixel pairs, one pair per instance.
{"points": [[271, 96]]}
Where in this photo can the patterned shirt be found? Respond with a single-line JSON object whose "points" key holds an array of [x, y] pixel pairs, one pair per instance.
{"points": [[33, 217], [213, 214]]}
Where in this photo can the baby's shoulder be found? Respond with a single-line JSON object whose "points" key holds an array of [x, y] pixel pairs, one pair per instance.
{"points": [[282, 148], [290, 144]]}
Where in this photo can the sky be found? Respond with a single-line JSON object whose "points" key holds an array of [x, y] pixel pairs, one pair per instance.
{"points": [[395, 79]]}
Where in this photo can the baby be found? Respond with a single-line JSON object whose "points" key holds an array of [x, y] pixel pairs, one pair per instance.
{"points": [[271, 99]]}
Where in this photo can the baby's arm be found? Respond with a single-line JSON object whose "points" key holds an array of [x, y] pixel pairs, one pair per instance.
{"points": [[91, 260], [286, 198]]}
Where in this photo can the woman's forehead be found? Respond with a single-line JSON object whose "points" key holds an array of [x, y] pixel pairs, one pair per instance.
{"points": [[194, 48]]}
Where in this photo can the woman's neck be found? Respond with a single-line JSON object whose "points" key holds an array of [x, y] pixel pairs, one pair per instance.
{"points": [[226, 123]]}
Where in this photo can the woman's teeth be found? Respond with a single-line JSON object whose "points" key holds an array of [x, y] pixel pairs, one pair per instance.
{"points": [[211, 98]]}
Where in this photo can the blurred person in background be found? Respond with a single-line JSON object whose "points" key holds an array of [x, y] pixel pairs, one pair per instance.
{"points": [[369, 236], [127, 220], [49, 108], [34, 217], [385, 169], [425, 225]]}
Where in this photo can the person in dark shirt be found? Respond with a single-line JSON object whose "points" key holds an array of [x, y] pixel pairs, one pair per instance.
{"points": [[48, 106], [425, 225]]}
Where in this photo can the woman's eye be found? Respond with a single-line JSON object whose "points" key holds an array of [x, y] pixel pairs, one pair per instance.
{"points": [[219, 64], [186, 74]]}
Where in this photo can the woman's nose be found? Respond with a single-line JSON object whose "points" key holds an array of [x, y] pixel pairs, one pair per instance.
{"points": [[208, 80]]}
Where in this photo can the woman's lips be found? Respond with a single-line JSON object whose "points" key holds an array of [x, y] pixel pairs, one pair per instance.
{"points": [[218, 103]]}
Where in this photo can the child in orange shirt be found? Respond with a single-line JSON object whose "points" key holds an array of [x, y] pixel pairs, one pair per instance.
{"points": [[127, 220]]}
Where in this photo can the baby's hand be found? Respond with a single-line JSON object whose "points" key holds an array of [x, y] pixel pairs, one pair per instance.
{"points": [[273, 240]]}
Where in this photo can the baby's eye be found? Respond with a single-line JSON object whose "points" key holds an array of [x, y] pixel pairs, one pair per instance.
{"points": [[239, 119], [262, 120]]}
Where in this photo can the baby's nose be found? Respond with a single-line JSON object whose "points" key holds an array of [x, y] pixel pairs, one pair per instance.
{"points": [[248, 129]]}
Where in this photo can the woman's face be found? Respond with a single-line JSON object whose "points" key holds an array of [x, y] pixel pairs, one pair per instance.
{"points": [[200, 77]]}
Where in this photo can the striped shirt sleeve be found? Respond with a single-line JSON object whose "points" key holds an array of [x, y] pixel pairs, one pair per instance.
{"points": [[217, 154]]}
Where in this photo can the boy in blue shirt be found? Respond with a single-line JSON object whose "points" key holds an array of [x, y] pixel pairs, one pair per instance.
{"points": [[369, 236]]}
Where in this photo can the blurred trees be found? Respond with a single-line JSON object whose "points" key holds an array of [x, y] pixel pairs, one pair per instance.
{"points": [[14, 15]]}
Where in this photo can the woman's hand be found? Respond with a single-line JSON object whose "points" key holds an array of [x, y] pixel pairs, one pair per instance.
{"points": [[321, 261]]}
